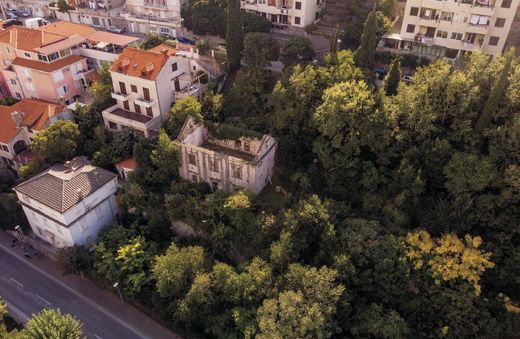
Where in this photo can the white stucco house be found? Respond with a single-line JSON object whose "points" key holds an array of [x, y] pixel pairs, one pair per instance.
{"points": [[226, 157], [69, 204]]}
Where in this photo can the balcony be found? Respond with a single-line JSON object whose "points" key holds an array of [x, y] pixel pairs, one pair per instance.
{"points": [[120, 96], [144, 103], [81, 74], [154, 4], [194, 89], [115, 117], [424, 40]]}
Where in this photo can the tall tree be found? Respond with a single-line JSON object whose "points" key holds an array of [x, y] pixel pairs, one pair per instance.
{"points": [[392, 80], [260, 49], [58, 142], [51, 324], [234, 36], [366, 53]]}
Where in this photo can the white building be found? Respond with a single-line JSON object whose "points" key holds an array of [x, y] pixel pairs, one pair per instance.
{"points": [[69, 204], [223, 163], [153, 16], [451, 28], [146, 83], [286, 13]]}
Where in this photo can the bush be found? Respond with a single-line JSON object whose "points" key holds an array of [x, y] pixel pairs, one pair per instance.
{"points": [[8, 101], [75, 259], [255, 23]]}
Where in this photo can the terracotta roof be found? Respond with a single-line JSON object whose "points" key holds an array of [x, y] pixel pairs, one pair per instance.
{"points": [[59, 45], [44, 66], [36, 115], [28, 39], [159, 48], [66, 28], [63, 186], [139, 63], [127, 164]]}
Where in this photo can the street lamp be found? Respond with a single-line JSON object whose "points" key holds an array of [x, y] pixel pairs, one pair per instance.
{"points": [[116, 285]]}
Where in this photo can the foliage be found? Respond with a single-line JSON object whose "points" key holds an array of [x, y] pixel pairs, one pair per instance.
{"points": [[234, 36], [75, 259], [51, 324], [101, 90], [260, 49], [63, 6], [205, 17], [393, 78], [365, 54], [449, 258], [182, 108], [115, 147], [297, 50], [57, 143], [230, 132], [8, 101], [151, 40], [255, 23], [165, 158]]}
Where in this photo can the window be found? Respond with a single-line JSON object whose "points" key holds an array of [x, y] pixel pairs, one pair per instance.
{"points": [[410, 28], [122, 87], [191, 159], [414, 11], [146, 94], [442, 34], [30, 86], [500, 22], [298, 5], [57, 76], [153, 28], [13, 82], [53, 56], [112, 125], [18, 95], [42, 57], [4, 148], [27, 55], [493, 40], [456, 36], [174, 67], [213, 165], [506, 4], [297, 20], [247, 146], [26, 73], [236, 172], [137, 108], [165, 30], [447, 16], [149, 111], [133, 88], [126, 105], [62, 90]]}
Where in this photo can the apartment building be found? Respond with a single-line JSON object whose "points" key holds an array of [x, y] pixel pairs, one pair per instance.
{"points": [[286, 13], [226, 164], [146, 84], [97, 13], [69, 204], [40, 64], [448, 29], [19, 123], [153, 16], [38, 8]]}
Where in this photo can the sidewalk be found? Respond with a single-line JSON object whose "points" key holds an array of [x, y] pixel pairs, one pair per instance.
{"points": [[107, 302]]}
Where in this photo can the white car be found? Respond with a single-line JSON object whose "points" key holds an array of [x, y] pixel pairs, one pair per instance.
{"points": [[115, 29]]}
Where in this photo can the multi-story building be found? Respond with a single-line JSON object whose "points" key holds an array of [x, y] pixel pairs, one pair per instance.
{"points": [[286, 13], [40, 64], [449, 29], [20, 123], [146, 84], [69, 204], [228, 164], [38, 8], [98, 13], [153, 16]]}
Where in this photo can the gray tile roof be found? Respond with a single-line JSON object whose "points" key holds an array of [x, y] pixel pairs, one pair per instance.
{"points": [[63, 186]]}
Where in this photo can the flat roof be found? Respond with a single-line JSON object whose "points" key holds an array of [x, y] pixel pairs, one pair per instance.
{"points": [[110, 38], [73, 40]]}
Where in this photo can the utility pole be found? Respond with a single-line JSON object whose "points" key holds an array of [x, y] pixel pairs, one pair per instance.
{"points": [[2, 8]]}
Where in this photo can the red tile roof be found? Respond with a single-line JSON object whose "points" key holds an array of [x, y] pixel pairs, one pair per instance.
{"points": [[127, 164], [36, 116], [139, 63], [164, 47], [66, 28], [28, 39], [47, 67]]}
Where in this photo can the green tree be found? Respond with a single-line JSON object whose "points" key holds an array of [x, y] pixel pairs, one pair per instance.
{"points": [[75, 259], [63, 6], [165, 158], [297, 50], [58, 142], [260, 49], [175, 270], [365, 54], [101, 90], [188, 106], [51, 324], [151, 40], [392, 80], [255, 23], [234, 36]]}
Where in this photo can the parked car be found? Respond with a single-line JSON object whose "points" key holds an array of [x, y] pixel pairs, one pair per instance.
{"points": [[23, 14], [407, 78], [11, 22], [185, 41], [11, 15], [115, 29], [380, 72]]}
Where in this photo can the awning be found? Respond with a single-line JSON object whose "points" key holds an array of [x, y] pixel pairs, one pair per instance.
{"points": [[393, 36], [110, 38], [62, 44]]}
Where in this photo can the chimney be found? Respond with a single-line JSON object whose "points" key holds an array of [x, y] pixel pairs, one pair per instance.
{"points": [[80, 194], [17, 118], [164, 51]]}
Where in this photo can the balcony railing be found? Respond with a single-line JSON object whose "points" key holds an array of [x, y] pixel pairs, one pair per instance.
{"points": [[120, 96], [144, 103]]}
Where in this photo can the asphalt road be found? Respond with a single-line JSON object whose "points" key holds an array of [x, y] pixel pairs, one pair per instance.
{"points": [[27, 289]]}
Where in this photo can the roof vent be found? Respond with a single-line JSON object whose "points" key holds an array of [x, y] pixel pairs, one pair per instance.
{"points": [[125, 62], [80, 194], [17, 118]]}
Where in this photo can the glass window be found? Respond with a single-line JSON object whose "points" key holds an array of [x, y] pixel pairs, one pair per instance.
{"points": [[298, 5], [175, 67], [297, 20], [191, 159], [236, 172], [414, 11], [500, 22], [493, 41], [410, 28], [506, 4]]}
